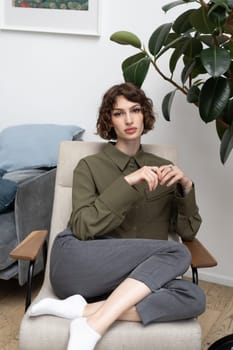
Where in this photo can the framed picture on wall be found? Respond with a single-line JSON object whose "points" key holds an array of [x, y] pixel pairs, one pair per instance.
{"points": [[80, 17]]}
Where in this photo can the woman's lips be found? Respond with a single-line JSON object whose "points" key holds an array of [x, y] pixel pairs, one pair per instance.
{"points": [[130, 130]]}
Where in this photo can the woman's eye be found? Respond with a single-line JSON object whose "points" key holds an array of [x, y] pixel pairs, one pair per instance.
{"points": [[117, 114], [137, 110]]}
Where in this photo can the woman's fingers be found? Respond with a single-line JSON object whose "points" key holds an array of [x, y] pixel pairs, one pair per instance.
{"points": [[152, 178], [164, 175], [146, 173], [170, 174]]}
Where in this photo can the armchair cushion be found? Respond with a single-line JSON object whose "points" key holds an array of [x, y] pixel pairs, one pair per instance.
{"points": [[33, 145]]}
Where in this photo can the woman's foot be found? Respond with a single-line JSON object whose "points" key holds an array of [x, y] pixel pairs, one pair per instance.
{"points": [[82, 336], [71, 307]]}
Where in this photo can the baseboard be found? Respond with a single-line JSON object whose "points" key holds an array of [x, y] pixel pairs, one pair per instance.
{"points": [[213, 278]]}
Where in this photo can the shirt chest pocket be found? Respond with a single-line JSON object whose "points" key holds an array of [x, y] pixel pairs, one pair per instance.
{"points": [[158, 204]]}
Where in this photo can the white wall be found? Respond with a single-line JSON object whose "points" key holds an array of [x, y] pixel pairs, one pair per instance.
{"points": [[57, 78]]}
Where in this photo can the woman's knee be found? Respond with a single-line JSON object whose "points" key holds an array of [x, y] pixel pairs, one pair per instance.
{"points": [[183, 254], [193, 296]]}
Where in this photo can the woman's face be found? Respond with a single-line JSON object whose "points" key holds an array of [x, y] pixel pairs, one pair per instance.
{"points": [[127, 119]]}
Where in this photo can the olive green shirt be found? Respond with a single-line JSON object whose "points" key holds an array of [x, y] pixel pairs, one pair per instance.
{"points": [[103, 203]]}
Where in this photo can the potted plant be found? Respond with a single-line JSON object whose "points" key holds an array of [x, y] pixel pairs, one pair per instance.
{"points": [[202, 39]]}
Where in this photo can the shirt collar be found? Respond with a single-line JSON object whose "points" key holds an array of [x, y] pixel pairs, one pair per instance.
{"points": [[121, 159]]}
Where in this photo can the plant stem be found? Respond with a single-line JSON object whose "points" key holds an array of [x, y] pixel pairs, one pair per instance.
{"points": [[215, 40], [220, 121], [230, 75], [168, 79]]}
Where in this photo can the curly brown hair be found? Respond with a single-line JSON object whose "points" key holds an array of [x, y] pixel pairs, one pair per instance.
{"points": [[132, 93]]}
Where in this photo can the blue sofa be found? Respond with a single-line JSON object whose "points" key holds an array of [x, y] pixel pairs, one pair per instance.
{"points": [[31, 210], [28, 158]]}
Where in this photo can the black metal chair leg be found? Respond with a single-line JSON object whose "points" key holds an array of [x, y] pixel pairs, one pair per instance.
{"points": [[45, 253], [29, 284], [195, 275]]}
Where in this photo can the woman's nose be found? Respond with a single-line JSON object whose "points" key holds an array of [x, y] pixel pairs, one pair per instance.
{"points": [[128, 118]]}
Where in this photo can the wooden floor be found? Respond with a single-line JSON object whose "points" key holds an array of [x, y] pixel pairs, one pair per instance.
{"points": [[216, 322]]}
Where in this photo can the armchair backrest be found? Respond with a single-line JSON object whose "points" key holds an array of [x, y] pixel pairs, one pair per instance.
{"points": [[70, 152]]}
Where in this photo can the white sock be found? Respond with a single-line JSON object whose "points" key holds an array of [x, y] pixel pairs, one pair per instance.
{"points": [[82, 336], [71, 307]]}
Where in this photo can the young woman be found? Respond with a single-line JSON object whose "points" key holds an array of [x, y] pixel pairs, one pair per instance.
{"points": [[114, 261]]}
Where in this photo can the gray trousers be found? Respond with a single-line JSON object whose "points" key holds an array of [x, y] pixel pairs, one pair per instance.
{"points": [[94, 268]]}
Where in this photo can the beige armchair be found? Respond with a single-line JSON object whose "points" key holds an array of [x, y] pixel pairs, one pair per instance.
{"points": [[50, 333]]}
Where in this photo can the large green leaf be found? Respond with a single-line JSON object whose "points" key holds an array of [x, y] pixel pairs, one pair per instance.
{"points": [[198, 69], [174, 43], [170, 39], [226, 144], [201, 22], [158, 38], [215, 60], [126, 38], [177, 54], [207, 39], [187, 71], [182, 24], [169, 6], [189, 46], [210, 41], [193, 48], [213, 98], [135, 68], [167, 103], [218, 14], [218, 4], [193, 94]]}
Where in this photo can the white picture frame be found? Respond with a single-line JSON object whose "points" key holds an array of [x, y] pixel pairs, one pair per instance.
{"points": [[75, 22]]}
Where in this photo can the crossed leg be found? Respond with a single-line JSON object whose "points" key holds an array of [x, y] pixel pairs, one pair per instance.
{"points": [[95, 318], [150, 275], [86, 332]]}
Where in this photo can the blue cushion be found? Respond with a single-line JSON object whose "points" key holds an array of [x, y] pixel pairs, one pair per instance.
{"points": [[7, 194], [33, 145], [20, 176]]}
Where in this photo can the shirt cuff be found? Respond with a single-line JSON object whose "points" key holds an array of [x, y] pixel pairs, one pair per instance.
{"points": [[186, 203]]}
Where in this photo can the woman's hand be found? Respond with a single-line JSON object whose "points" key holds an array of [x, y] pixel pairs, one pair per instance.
{"points": [[171, 174], [150, 174]]}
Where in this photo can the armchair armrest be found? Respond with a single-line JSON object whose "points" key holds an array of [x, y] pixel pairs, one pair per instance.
{"points": [[30, 247], [201, 257]]}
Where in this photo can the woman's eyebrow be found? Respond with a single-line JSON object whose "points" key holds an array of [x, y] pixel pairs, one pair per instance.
{"points": [[118, 108]]}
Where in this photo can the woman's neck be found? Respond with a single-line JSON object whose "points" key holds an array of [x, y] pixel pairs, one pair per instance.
{"points": [[129, 147]]}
